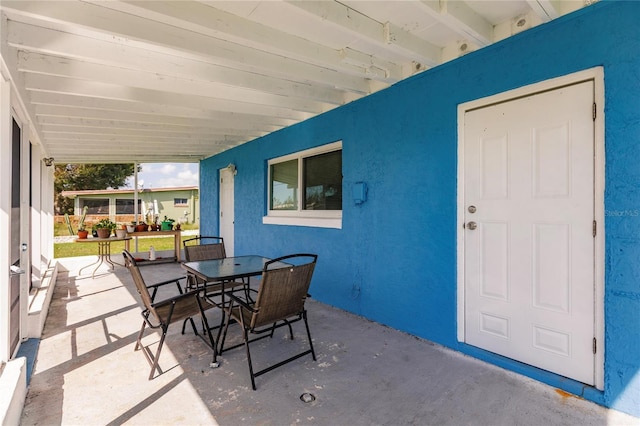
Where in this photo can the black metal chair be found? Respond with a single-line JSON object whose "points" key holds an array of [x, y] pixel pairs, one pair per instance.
{"points": [[203, 248], [161, 314], [208, 248], [279, 301]]}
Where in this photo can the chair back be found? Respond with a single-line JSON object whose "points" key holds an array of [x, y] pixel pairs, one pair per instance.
{"points": [[203, 248], [143, 291], [282, 292]]}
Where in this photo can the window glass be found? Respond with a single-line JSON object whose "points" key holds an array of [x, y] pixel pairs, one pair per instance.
{"points": [[96, 205], [323, 181], [124, 206], [180, 202], [284, 185]]}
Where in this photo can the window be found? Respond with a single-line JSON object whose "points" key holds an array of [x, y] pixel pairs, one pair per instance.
{"points": [[284, 185], [95, 205], [180, 202], [322, 177], [305, 188], [124, 206]]}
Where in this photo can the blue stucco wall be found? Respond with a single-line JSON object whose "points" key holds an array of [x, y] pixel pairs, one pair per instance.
{"points": [[394, 260]]}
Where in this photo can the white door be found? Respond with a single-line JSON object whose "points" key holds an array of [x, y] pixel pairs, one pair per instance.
{"points": [[529, 262], [226, 210]]}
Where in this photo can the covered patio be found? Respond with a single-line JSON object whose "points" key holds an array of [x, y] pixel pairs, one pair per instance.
{"points": [[87, 372], [369, 116]]}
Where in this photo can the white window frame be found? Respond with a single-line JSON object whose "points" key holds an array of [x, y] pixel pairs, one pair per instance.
{"points": [[301, 217]]}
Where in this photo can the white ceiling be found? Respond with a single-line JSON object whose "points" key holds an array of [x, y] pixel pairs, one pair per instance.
{"points": [[177, 81]]}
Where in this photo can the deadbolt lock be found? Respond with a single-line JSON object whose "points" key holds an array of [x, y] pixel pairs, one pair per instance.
{"points": [[472, 209]]}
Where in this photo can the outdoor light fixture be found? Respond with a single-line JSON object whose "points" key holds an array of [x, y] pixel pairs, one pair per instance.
{"points": [[48, 161], [232, 168], [359, 193]]}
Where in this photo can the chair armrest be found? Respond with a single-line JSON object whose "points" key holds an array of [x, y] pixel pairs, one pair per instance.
{"points": [[240, 302], [175, 298], [161, 283], [156, 286]]}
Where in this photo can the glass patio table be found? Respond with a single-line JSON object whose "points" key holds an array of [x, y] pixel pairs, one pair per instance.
{"points": [[226, 270], [230, 268]]}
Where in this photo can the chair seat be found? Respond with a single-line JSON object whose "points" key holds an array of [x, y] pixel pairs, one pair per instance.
{"points": [[183, 308], [248, 316], [215, 290], [217, 286]]}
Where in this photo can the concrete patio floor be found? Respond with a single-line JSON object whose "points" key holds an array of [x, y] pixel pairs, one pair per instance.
{"points": [[87, 372]]}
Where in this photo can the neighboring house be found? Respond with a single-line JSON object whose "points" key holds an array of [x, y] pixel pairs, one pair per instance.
{"points": [[180, 204], [480, 175]]}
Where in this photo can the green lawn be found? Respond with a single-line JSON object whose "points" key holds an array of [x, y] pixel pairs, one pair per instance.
{"points": [[74, 249], [61, 230]]}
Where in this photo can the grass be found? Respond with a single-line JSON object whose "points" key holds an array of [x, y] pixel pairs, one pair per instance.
{"points": [[74, 249], [60, 229]]}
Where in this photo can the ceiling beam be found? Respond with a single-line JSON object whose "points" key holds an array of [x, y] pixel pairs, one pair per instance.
{"points": [[461, 19], [101, 139], [127, 29], [209, 20], [55, 84], [152, 132], [58, 43], [48, 112], [9, 57], [545, 9], [382, 34], [49, 123], [118, 143], [64, 67], [113, 109]]}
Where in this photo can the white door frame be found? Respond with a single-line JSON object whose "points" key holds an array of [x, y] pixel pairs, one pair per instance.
{"points": [[597, 76], [227, 233]]}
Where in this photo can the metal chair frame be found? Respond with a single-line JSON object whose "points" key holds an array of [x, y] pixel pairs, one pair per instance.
{"points": [[196, 250], [161, 314], [273, 309]]}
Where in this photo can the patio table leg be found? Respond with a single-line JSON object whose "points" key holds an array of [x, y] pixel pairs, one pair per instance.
{"points": [[104, 255], [246, 289], [105, 247], [104, 251], [97, 262]]}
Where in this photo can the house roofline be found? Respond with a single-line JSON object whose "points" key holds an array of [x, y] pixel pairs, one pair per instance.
{"points": [[72, 194]]}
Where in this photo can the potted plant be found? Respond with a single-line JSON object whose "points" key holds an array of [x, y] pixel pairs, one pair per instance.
{"points": [[104, 228], [121, 231], [142, 226], [167, 224], [82, 230]]}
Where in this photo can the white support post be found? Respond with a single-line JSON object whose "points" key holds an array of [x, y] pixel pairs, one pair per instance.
{"points": [[36, 214], [5, 216]]}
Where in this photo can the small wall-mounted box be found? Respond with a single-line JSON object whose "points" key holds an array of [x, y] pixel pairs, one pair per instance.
{"points": [[359, 192]]}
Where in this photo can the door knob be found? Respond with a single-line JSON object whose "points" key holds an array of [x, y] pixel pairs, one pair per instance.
{"points": [[472, 225]]}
